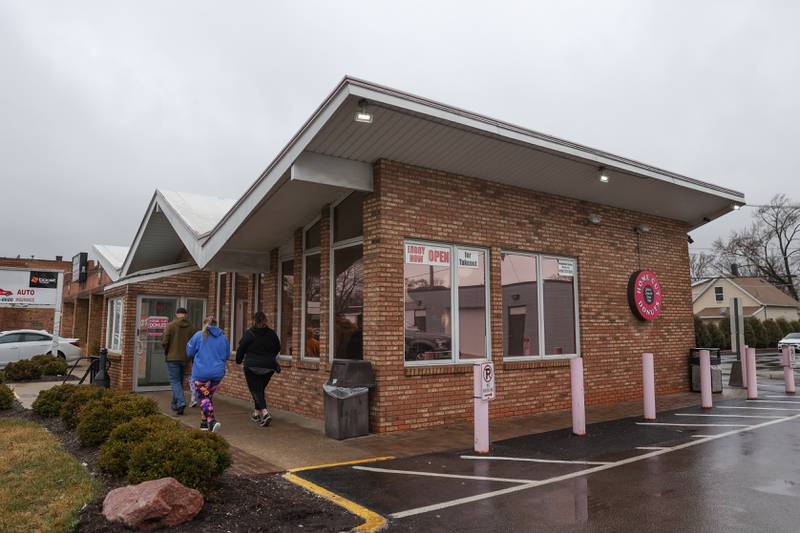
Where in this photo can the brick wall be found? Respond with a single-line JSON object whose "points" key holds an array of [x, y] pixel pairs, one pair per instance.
{"points": [[411, 202]]}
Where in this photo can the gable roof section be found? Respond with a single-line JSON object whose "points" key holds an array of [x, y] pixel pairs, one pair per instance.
{"points": [[171, 230], [500, 151], [111, 258], [759, 289]]}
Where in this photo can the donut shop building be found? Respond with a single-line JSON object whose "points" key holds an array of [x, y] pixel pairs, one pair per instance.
{"points": [[423, 238]]}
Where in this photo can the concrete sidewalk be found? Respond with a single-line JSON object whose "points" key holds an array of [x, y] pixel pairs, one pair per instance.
{"points": [[293, 441]]}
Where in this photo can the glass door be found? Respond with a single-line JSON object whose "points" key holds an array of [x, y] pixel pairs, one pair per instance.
{"points": [[154, 315]]}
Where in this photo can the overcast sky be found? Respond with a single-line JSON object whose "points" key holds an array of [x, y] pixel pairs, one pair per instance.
{"points": [[101, 103]]}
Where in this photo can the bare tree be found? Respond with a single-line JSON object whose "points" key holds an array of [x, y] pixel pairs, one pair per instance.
{"points": [[769, 248], [701, 265]]}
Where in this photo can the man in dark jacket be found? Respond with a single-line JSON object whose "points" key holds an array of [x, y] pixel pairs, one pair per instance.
{"points": [[176, 335], [259, 348]]}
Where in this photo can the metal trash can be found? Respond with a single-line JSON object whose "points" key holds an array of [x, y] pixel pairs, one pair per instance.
{"points": [[694, 369], [347, 399]]}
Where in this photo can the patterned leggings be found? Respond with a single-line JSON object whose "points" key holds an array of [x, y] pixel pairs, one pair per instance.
{"points": [[205, 397]]}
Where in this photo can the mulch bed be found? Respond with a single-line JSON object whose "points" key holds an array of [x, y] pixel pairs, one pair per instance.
{"points": [[236, 503]]}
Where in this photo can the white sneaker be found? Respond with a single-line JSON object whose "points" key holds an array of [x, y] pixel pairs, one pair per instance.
{"points": [[214, 426]]}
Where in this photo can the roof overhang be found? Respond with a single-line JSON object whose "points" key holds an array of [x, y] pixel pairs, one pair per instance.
{"points": [[422, 132], [109, 258]]}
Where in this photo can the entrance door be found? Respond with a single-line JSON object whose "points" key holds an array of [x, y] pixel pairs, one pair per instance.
{"points": [[154, 315]]}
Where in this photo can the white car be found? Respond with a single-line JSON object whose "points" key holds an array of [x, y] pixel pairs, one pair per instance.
{"points": [[25, 343], [792, 340]]}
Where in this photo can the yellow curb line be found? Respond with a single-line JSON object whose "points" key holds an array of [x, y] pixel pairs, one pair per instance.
{"points": [[372, 521], [343, 463]]}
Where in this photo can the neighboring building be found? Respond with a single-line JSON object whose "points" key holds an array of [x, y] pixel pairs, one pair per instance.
{"points": [[424, 238], [82, 307], [29, 318], [711, 299]]}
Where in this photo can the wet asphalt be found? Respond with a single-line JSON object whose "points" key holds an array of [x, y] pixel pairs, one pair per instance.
{"points": [[623, 476]]}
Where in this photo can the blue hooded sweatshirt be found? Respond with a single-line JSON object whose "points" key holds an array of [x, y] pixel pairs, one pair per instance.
{"points": [[208, 354]]}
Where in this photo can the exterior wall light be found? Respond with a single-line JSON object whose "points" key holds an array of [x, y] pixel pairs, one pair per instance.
{"points": [[594, 219], [642, 228], [736, 207], [363, 115], [604, 175]]}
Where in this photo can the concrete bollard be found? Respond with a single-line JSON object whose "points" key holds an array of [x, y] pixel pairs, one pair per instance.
{"points": [[743, 364], [649, 386], [578, 407], [788, 371], [752, 378], [705, 379], [481, 413]]}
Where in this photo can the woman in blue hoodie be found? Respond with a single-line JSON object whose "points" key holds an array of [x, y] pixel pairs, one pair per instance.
{"points": [[209, 350]]}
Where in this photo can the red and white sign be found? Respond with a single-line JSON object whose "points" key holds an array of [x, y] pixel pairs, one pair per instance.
{"points": [[155, 325], [28, 288], [424, 254], [645, 295], [484, 380]]}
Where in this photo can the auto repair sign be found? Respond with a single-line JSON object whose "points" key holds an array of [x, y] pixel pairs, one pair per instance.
{"points": [[645, 295], [28, 288]]}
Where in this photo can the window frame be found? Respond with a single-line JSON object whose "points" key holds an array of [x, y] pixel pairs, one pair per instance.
{"points": [[110, 323], [455, 334], [339, 245], [719, 297], [540, 257], [307, 253], [279, 314]]}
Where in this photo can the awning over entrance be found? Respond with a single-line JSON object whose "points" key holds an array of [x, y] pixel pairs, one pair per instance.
{"points": [[333, 153]]}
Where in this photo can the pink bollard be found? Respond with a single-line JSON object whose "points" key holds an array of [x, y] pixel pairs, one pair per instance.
{"points": [[752, 378], [705, 379], [743, 361], [481, 414], [649, 386], [788, 371], [578, 408]]}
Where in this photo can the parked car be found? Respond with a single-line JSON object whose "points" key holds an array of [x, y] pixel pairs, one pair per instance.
{"points": [[421, 345], [25, 343], [792, 340]]}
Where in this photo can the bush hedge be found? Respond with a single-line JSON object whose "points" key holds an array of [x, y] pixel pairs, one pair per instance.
{"points": [[24, 370], [49, 401], [6, 397], [50, 365], [71, 410], [100, 416], [116, 451]]}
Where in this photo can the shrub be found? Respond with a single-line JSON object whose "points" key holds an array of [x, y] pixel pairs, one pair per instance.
{"points": [[784, 326], [714, 335], [772, 332], [49, 401], [100, 416], [173, 453], [6, 397], [2, 376], [759, 334], [71, 409], [216, 443], [725, 331], [794, 326], [24, 370], [701, 339], [49, 365], [116, 451]]}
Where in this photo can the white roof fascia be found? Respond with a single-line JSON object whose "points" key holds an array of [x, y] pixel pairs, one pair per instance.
{"points": [[271, 177], [109, 268], [138, 237], [185, 233], [156, 273]]}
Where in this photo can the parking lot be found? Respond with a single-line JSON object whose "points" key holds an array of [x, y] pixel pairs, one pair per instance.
{"points": [[730, 468]]}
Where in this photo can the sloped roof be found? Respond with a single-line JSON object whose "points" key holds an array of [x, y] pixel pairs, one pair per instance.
{"points": [[765, 292], [199, 212], [722, 312], [111, 258]]}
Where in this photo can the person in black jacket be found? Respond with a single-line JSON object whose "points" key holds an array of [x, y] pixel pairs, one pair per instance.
{"points": [[259, 348]]}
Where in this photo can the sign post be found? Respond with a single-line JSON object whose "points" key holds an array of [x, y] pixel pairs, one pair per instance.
{"points": [[57, 316], [578, 407], [483, 392], [649, 386], [788, 371], [738, 368]]}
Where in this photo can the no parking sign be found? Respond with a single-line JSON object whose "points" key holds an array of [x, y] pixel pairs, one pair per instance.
{"points": [[484, 381]]}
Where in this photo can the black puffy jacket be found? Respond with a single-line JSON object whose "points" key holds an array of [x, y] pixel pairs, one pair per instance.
{"points": [[259, 348]]}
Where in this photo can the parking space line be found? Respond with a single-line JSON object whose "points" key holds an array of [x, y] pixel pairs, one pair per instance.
{"points": [[762, 408], [652, 447], [775, 401], [780, 396], [440, 474], [586, 472], [691, 424], [532, 460], [343, 463], [729, 416], [701, 436]]}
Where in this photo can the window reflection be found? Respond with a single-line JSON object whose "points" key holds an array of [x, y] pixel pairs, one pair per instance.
{"points": [[520, 305], [348, 302]]}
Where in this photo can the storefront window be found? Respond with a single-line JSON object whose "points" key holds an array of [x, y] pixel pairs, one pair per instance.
{"points": [[529, 308], [558, 277], [286, 306], [348, 302], [348, 218], [114, 326], [311, 306], [430, 271], [520, 305]]}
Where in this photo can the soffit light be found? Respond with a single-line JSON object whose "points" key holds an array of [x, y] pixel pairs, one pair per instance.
{"points": [[604, 177], [363, 115], [642, 228], [736, 207]]}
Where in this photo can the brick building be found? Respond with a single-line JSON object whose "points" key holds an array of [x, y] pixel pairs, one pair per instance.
{"points": [[424, 238], [29, 318]]}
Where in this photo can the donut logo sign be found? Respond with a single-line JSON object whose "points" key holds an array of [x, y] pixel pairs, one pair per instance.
{"points": [[645, 295]]}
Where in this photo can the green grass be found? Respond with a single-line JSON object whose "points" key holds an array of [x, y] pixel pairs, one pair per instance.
{"points": [[42, 486]]}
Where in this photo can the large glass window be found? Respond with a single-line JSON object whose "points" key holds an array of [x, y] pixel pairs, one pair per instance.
{"points": [[311, 293], [286, 306], [348, 218], [347, 283], [114, 325], [430, 272], [529, 308]]}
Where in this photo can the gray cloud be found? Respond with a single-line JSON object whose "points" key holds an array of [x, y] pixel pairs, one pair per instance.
{"points": [[102, 103]]}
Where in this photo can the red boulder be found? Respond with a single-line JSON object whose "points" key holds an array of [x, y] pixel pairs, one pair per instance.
{"points": [[152, 504]]}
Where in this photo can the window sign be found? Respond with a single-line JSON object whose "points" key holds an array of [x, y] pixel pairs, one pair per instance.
{"points": [[566, 267], [424, 254], [469, 259]]}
